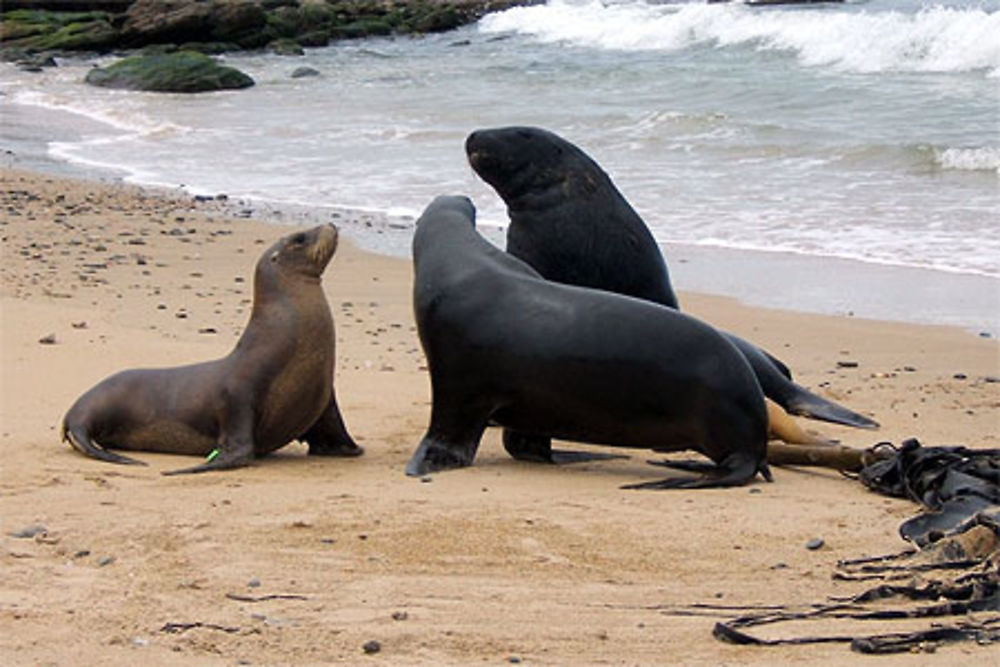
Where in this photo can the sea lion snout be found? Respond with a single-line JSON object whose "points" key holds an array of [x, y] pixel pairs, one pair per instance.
{"points": [[481, 149], [327, 239]]}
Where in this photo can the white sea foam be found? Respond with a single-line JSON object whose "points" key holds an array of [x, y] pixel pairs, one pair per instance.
{"points": [[119, 115], [935, 39], [971, 159]]}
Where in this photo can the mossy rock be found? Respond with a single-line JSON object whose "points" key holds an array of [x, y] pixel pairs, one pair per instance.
{"points": [[180, 72], [284, 21], [44, 17], [209, 48], [36, 31], [286, 47], [362, 28], [437, 20], [315, 16], [314, 39]]}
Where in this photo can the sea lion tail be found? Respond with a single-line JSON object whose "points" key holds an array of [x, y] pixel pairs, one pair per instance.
{"points": [[80, 440], [807, 404]]}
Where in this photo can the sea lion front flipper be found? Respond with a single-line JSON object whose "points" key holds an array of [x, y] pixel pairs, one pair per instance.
{"points": [[236, 443], [222, 458], [329, 436], [538, 449]]}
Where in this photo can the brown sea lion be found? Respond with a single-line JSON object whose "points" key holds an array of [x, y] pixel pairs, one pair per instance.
{"points": [[274, 387]]}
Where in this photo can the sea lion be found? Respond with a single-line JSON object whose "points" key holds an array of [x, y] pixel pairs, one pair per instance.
{"points": [[274, 387], [570, 222], [545, 359]]}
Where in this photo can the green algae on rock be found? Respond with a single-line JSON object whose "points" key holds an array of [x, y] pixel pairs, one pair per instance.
{"points": [[180, 72]]}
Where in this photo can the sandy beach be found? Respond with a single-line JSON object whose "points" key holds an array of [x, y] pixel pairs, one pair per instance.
{"points": [[297, 560]]}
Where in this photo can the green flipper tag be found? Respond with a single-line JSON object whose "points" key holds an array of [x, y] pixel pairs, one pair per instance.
{"points": [[212, 455]]}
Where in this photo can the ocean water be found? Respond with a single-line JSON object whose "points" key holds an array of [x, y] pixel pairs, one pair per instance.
{"points": [[865, 133]]}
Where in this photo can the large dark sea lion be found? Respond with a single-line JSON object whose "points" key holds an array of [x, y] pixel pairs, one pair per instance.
{"points": [[274, 387], [544, 359], [570, 222]]}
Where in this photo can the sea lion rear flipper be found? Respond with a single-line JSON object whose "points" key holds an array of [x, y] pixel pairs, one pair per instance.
{"points": [[538, 449], [735, 470], [81, 442], [775, 380], [807, 404]]}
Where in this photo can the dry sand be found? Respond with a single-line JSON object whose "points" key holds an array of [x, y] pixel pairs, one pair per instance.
{"points": [[490, 564]]}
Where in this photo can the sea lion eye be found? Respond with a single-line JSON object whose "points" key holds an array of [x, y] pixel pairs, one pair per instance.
{"points": [[299, 239]]}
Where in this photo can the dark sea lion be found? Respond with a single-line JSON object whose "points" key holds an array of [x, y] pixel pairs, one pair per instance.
{"points": [[570, 222], [274, 387], [544, 359]]}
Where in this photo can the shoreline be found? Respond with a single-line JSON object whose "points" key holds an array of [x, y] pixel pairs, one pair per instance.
{"points": [[304, 560], [822, 284]]}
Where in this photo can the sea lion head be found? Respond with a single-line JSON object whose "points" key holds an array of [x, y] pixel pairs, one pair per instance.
{"points": [[302, 254], [440, 221], [531, 162], [449, 209]]}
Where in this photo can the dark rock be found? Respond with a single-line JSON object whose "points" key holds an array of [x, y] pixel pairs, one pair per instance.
{"points": [[36, 62], [114, 6], [372, 647], [815, 543], [302, 72], [179, 21], [181, 72], [209, 48], [215, 26], [847, 364], [49, 339]]}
